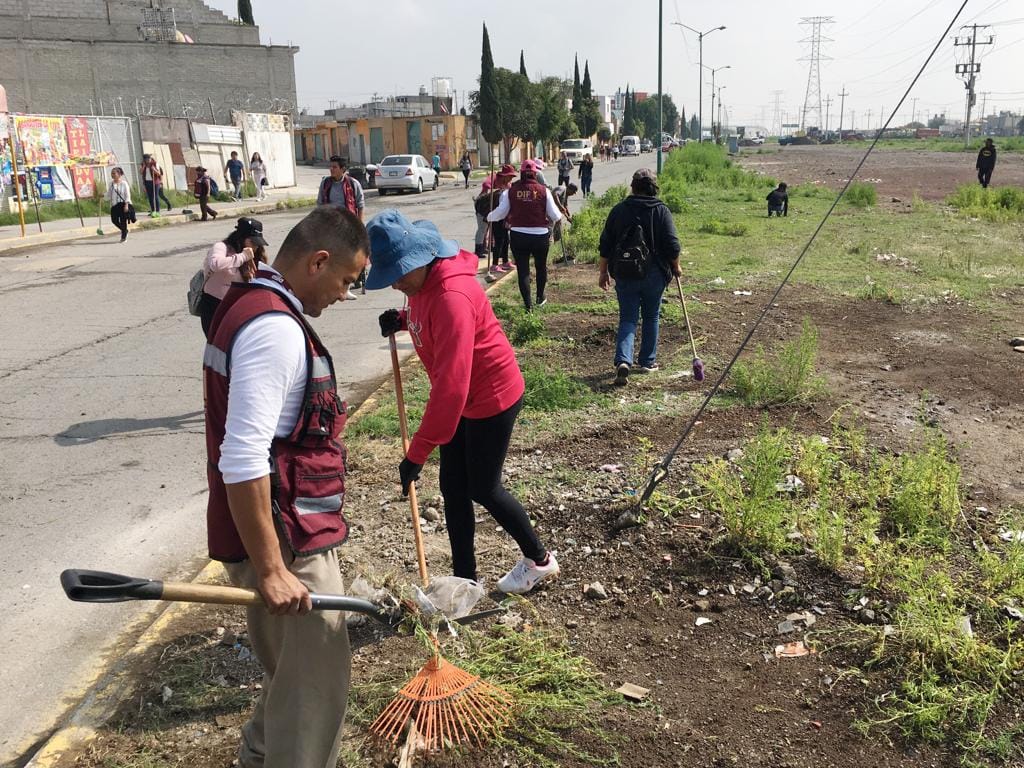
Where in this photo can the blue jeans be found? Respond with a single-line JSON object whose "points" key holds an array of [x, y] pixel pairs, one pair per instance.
{"points": [[639, 298]]}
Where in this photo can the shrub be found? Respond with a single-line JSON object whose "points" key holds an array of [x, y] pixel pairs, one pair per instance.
{"points": [[728, 229], [861, 195], [1002, 204], [787, 377], [527, 327]]}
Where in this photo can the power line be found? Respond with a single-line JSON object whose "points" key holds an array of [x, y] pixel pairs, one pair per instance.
{"points": [[969, 70]]}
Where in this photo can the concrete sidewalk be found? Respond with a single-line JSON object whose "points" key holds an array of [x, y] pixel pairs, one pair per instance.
{"points": [[69, 230]]}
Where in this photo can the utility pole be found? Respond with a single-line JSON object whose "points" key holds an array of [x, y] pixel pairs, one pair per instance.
{"points": [[777, 114], [812, 97], [969, 71], [869, 113], [984, 101], [853, 119], [661, 94], [913, 110], [828, 108], [842, 104]]}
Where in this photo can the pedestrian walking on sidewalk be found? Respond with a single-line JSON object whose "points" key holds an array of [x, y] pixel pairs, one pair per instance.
{"points": [[529, 207], [233, 259], [586, 174], [203, 189], [640, 254], [119, 195], [565, 166], [153, 182], [234, 171], [476, 389], [986, 163], [258, 174], [466, 166], [436, 164], [274, 411]]}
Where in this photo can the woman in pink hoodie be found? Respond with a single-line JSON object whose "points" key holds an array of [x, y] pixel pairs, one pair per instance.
{"points": [[476, 388]]}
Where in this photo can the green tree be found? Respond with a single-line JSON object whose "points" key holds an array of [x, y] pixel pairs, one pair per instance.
{"points": [[520, 108], [577, 95], [683, 131], [937, 121], [694, 128], [522, 64], [245, 13], [554, 123], [604, 134], [628, 119], [486, 102], [647, 114]]}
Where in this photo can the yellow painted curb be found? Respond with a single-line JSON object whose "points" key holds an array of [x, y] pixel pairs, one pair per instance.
{"points": [[102, 697]]}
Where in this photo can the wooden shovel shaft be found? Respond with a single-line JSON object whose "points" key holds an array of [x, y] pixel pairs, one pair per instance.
{"points": [[686, 316], [421, 557], [210, 593]]}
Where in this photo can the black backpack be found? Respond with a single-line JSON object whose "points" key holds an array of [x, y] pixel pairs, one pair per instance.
{"points": [[632, 257]]}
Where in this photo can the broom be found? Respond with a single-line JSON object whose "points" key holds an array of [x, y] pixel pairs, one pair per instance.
{"points": [[698, 364], [448, 705]]}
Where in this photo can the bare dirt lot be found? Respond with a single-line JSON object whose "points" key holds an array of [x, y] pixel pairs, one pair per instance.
{"points": [[897, 173]]}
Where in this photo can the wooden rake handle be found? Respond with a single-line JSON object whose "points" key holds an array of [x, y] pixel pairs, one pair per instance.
{"points": [[421, 558], [686, 317]]}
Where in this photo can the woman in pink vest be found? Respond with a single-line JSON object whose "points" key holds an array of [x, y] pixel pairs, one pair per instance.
{"points": [[234, 259], [476, 388], [528, 206]]}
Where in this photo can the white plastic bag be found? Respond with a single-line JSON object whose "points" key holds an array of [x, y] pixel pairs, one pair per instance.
{"points": [[452, 596]]}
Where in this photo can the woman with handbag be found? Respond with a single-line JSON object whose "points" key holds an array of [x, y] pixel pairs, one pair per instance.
{"points": [[258, 171], [119, 195], [234, 258]]}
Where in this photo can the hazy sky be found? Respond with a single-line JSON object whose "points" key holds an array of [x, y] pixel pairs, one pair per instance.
{"points": [[349, 50]]}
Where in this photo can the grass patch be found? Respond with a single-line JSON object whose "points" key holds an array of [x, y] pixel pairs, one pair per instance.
{"points": [[944, 591], [786, 377], [525, 328], [992, 204], [381, 421], [548, 390], [728, 229], [559, 695], [861, 195]]}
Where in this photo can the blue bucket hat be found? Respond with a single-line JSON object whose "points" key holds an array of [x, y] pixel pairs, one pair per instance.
{"points": [[398, 246]]}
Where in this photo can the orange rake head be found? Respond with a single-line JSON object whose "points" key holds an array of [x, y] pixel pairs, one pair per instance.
{"points": [[449, 705]]}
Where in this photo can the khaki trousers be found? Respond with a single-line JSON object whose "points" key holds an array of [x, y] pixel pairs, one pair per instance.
{"points": [[298, 719]]}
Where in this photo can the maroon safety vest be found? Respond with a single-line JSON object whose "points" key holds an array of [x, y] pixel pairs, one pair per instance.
{"points": [[528, 204], [307, 468]]}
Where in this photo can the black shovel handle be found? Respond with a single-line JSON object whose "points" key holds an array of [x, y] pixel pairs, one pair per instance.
{"points": [[102, 587]]}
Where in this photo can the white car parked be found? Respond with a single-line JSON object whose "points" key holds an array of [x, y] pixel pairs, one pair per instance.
{"points": [[405, 172]]}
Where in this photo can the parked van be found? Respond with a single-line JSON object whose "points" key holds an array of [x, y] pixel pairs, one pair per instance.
{"points": [[575, 149], [630, 145]]}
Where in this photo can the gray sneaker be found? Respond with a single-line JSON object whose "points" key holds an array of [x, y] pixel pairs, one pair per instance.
{"points": [[621, 374], [648, 368]]}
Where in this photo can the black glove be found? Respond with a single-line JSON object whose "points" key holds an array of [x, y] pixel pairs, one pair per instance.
{"points": [[409, 473], [390, 322]]}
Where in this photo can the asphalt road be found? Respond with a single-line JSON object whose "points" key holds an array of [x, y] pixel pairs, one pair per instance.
{"points": [[101, 429]]}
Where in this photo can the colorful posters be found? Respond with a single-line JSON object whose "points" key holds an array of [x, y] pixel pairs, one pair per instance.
{"points": [[80, 150], [43, 141]]}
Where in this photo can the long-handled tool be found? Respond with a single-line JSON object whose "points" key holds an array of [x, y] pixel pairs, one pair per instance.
{"points": [[85, 586], [698, 364], [448, 704]]}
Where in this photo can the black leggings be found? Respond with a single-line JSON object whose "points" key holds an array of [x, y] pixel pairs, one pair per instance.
{"points": [[471, 471], [499, 253], [523, 247], [207, 309], [119, 218]]}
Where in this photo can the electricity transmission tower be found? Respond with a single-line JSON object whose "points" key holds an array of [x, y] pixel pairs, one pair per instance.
{"points": [[777, 115], [812, 98], [970, 68]]}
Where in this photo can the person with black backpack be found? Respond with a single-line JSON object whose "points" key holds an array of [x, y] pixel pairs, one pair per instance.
{"points": [[639, 252]]}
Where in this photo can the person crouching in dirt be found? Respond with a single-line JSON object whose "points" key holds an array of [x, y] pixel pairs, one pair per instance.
{"points": [[476, 388], [640, 253], [778, 201], [986, 163], [562, 193]]}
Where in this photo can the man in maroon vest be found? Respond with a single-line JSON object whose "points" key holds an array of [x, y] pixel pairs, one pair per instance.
{"points": [[529, 207], [276, 473]]}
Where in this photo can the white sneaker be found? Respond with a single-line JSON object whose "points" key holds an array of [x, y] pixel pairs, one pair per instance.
{"points": [[526, 575]]}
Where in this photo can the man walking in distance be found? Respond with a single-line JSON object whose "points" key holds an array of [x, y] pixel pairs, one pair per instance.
{"points": [[986, 163], [565, 167], [342, 191], [234, 171], [529, 206], [203, 190], [276, 473]]}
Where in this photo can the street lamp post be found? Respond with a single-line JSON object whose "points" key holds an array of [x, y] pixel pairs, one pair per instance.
{"points": [[661, 96], [720, 110], [700, 75], [713, 70]]}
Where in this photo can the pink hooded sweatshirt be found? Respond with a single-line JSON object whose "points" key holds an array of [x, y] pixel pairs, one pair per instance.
{"points": [[471, 365]]}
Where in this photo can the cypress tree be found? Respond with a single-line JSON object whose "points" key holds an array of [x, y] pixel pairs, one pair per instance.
{"points": [[522, 65], [490, 105], [628, 117], [683, 130], [245, 13], [577, 96]]}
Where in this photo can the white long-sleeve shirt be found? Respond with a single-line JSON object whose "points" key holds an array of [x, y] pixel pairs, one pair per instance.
{"points": [[119, 192], [268, 383], [504, 207]]}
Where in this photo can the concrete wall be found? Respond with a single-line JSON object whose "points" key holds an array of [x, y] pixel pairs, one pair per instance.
{"points": [[68, 77]]}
